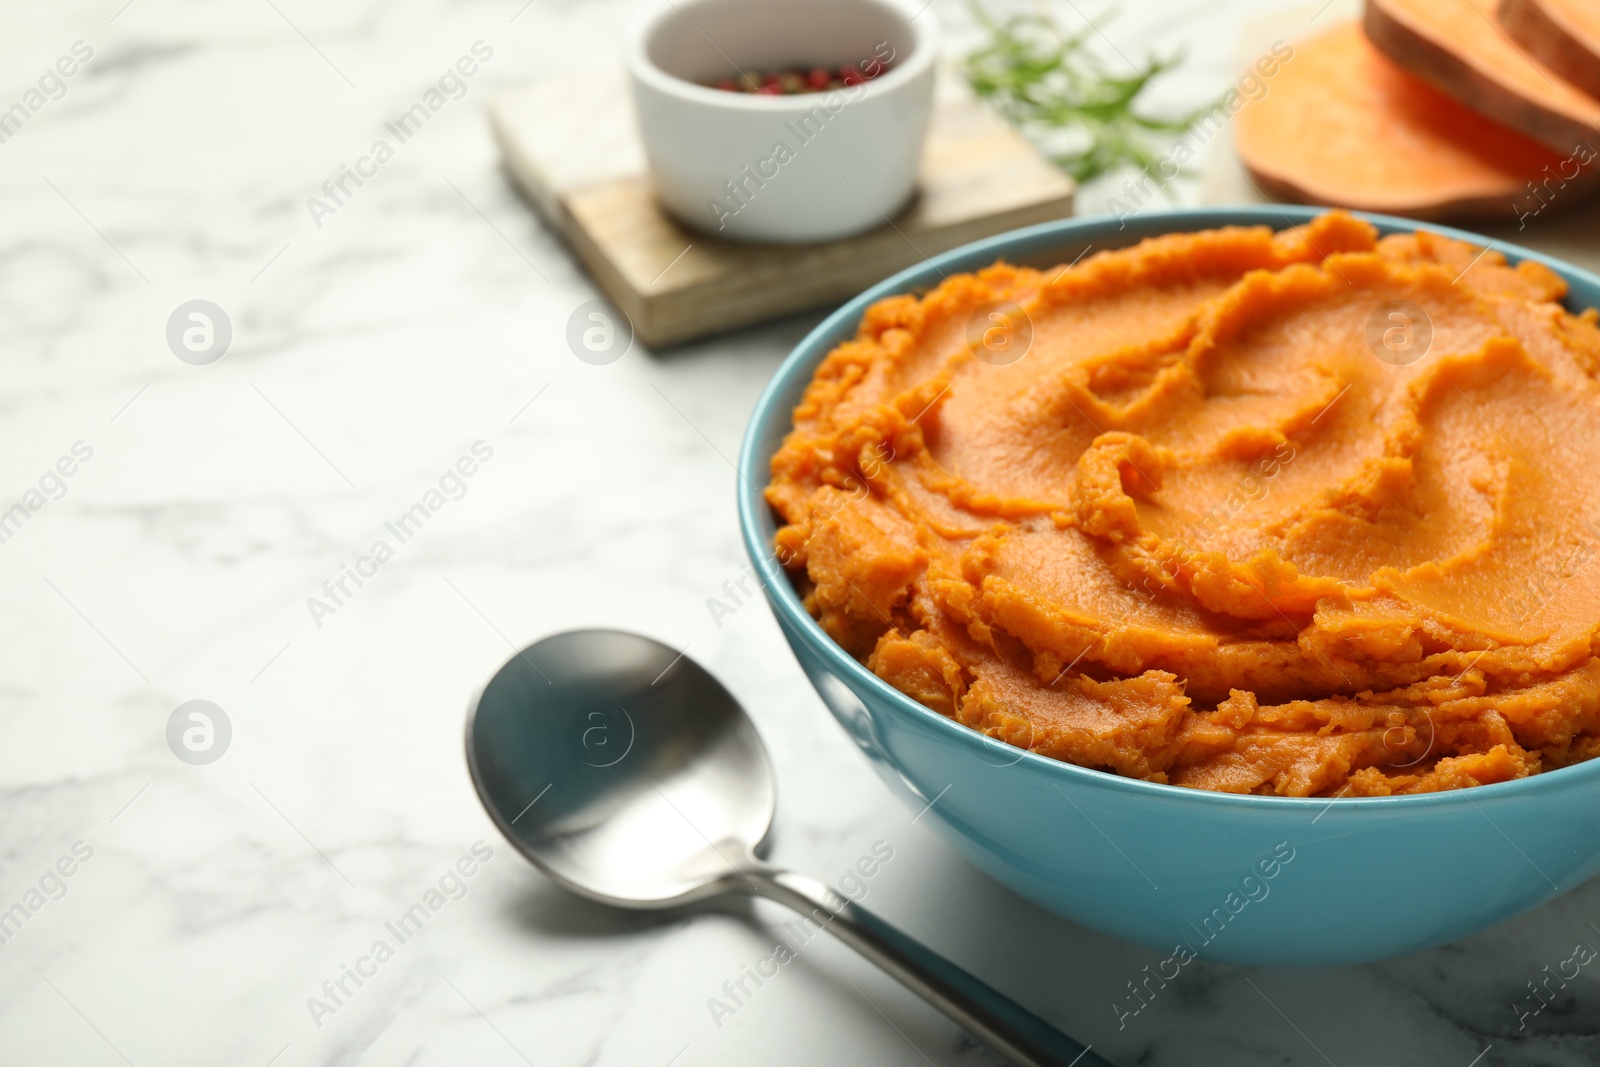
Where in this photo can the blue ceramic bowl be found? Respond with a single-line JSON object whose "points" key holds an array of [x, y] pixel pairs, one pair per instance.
{"points": [[1246, 879]]}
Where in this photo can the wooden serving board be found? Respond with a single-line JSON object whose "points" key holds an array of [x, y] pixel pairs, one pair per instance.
{"points": [[572, 147]]}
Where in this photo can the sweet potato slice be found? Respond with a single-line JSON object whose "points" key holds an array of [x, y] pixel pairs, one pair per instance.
{"points": [[1564, 35], [1342, 125], [1459, 47]]}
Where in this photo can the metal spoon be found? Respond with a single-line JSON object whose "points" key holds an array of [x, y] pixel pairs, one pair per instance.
{"points": [[628, 774]]}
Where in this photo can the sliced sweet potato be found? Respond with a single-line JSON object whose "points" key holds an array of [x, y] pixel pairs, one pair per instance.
{"points": [[1564, 35], [1459, 47], [1342, 125]]}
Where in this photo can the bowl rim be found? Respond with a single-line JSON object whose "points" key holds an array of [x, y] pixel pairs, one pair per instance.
{"points": [[924, 50], [754, 472]]}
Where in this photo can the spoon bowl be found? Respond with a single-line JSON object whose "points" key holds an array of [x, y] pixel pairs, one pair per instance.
{"points": [[621, 768]]}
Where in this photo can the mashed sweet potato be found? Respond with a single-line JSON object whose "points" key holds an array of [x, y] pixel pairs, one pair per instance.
{"points": [[1308, 513]]}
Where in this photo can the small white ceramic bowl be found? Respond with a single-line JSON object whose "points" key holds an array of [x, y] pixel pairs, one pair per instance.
{"points": [[794, 169]]}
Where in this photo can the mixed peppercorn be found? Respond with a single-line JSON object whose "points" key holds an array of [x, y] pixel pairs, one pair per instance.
{"points": [[790, 82]]}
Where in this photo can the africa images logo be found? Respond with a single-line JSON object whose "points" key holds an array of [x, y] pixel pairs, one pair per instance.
{"points": [[452, 885], [451, 85], [452, 484]]}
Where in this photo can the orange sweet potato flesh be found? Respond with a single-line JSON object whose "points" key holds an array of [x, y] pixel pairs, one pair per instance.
{"points": [[1341, 125], [1460, 47], [1564, 35], [1200, 533]]}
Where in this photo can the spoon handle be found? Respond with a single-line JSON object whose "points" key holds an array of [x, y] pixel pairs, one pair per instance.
{"points": [[983, 1011]]}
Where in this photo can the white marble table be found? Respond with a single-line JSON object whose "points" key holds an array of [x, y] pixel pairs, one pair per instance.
{"points": [[207, 904]]}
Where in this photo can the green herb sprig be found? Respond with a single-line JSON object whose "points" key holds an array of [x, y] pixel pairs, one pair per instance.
{"points": [[1048, 83]]}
